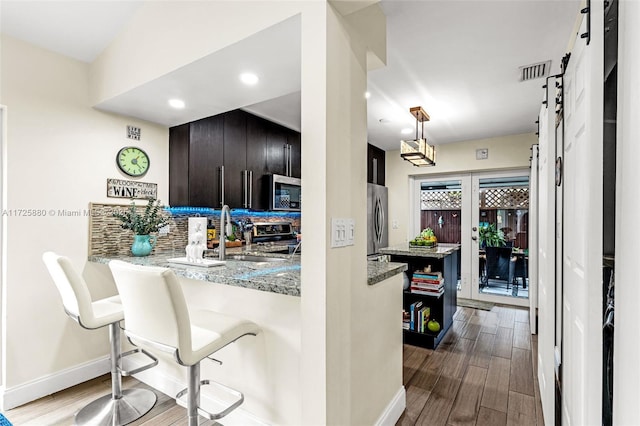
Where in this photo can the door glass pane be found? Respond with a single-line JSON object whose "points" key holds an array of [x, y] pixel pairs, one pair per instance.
{"points": [[503, 236], [441, 210]]}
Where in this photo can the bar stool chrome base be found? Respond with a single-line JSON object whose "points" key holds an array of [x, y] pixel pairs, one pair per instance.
{"points": [[107, 411], [120, 407]]}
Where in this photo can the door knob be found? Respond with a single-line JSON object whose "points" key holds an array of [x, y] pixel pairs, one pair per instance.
{"points": [[474, 229], [474, 238]]}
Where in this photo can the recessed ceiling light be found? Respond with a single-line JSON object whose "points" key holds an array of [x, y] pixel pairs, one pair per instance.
{"points": [[406, 130], [176, 103], [248, 78]]}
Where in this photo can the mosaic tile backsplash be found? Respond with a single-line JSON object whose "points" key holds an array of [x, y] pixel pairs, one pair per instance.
{"points": [[106, 236]]}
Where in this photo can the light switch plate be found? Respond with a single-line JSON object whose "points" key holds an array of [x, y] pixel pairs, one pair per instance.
{"points": [[342, 232]]}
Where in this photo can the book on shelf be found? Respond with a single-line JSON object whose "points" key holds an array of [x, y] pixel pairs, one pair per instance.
{"points": [[427, 281], [426, 292], [427, 275], [414, 308], [405, 320], [423, 317], [427, 286]]}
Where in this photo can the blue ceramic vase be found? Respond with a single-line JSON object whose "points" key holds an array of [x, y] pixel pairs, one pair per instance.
{"points": [[142, 245]]}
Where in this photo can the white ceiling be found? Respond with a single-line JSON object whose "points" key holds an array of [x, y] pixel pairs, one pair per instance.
{"points": [[457, 59]]}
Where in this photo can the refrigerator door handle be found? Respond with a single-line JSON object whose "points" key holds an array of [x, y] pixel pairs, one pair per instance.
{"points": [[379, 220]]}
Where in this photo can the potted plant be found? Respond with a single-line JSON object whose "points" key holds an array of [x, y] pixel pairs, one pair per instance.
{"points": [[491, 236], [143, 225]]}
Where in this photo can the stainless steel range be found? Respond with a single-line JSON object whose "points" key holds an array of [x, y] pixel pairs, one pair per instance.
{"points": [[275, 236]]}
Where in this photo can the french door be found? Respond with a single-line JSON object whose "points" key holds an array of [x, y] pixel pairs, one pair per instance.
{"points": [[500, 212], [461, 209]]}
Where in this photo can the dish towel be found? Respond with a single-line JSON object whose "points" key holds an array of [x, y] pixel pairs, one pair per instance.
{"points": [[4, 421]]}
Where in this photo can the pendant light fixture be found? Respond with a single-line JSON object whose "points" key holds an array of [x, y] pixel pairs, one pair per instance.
{"points": [[418, 152]]}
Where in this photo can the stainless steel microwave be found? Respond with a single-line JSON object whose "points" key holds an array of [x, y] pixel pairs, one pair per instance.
{"points": [[285, 194]]}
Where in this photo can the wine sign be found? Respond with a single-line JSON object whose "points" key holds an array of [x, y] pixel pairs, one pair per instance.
{"points": [[119, 188]]}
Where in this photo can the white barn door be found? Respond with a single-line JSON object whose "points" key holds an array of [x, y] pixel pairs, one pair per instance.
{"points": [[546, 257], [582, 239], [533, 239]]}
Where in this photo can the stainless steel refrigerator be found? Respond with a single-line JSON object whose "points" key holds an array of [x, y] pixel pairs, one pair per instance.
{"points": [[377, 229]]}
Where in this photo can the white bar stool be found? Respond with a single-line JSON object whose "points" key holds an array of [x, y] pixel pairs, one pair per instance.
{"points": [[121, 406], [157, 317]]}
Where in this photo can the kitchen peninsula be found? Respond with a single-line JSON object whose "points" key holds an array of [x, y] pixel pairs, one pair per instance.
{"points": [[266, 368], [442, 260]]}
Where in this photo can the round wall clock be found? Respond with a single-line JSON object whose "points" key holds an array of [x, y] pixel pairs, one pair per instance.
{"points": [[133, 161]]}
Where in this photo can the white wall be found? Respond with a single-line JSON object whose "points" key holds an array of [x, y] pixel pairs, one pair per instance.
{"points": [[507, 152], [364, 368], [60, 152]]}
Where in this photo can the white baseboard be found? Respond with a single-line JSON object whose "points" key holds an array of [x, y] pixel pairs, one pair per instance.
{"points": [[46, 385], [394, 410]]}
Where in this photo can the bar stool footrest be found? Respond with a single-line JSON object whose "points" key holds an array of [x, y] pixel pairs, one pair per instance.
{"points": [[212, 416], [153, 363]]}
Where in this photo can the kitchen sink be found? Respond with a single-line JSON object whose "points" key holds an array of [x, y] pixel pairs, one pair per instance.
{"points": [[253, 258]]}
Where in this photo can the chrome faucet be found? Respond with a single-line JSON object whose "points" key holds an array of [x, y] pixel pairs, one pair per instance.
{"points": [[295, 249], [224, 231]]}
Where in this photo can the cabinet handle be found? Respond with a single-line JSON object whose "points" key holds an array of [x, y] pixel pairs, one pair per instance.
{"points": [[250, 188], [286, 159], [244, 189], [221, 186], [290, 171], [247, 188]]}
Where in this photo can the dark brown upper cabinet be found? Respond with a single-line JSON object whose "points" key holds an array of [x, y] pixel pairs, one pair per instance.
{"points": [[195, 158], [179, 138], [227, 159], [283, 151], [375, 165], [295, 154], [257, 162], [235, 159]]}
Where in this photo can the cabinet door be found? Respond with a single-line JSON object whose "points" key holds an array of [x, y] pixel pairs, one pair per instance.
{"points": [[235, 157], [179, 165], [205, 159], [276, 147], [257, 162], [375, 165], [296, 153]]}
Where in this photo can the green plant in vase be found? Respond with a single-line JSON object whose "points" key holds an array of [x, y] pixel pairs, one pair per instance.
{"points": [[142, 225], [491, 236]]}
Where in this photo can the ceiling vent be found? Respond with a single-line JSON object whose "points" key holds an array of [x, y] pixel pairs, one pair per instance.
{"points": [[533, 71]]}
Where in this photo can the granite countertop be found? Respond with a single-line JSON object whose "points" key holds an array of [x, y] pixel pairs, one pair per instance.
{"points": [[281, 277], [380, 271], [438, 252]]}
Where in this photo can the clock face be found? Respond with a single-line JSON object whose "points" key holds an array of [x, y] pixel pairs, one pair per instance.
{"points": [[133, 161]]}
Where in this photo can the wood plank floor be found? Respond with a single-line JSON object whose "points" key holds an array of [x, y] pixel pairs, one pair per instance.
{"points": [[481, 374], [59, 408]]}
